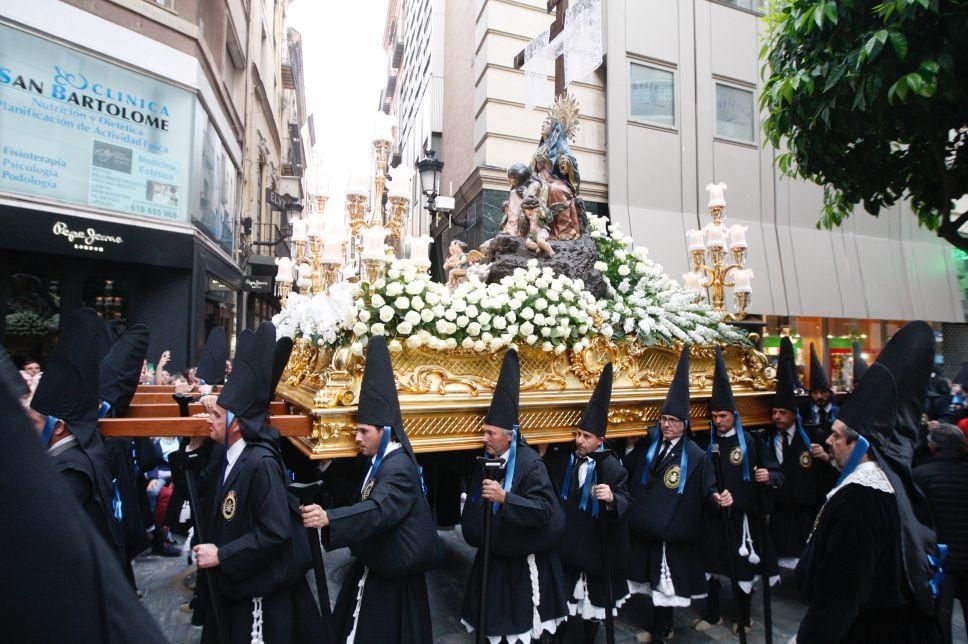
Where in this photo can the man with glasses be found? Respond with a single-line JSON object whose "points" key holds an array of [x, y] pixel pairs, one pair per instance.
{"points": [[670, 486]]}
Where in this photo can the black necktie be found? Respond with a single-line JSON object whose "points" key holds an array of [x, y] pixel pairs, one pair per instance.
{"points": [[823, 416], [786, 445], [661, 456]]}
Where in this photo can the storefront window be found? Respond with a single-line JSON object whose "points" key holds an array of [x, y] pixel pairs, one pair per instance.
{"points": [[215, 184], [32, 319]]}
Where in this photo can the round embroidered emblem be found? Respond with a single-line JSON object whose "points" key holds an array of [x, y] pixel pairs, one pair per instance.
{"points": [[736, 456], [365, 494], [806, 461], [671, 478], [229, 505]]}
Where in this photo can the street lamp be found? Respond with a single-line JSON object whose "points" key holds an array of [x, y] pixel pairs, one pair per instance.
{"points": [[429, 168]]}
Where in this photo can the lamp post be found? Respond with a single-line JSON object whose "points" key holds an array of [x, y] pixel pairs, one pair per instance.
{"points": [[430, 168]]}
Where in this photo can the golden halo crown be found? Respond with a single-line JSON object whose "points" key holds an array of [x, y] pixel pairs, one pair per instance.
{"points": [[565, 111]]}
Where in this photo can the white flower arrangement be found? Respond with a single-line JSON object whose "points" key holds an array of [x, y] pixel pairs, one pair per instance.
{"points": [[533, 307]]}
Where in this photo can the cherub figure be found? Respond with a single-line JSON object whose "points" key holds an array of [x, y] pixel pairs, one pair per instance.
{"points": [[522, 185], [455, 262], [538, 235]]}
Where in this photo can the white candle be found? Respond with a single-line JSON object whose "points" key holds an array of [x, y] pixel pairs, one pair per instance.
{"points": [[373, 238], [716, 196], [420, 250], [298, 230], [332, 245], [284, 274], [741, 280], [694, 239], [737, 236], [382, 127], [316, 225], [358, 185], [305, 280], [715, 236], [693, 281]]}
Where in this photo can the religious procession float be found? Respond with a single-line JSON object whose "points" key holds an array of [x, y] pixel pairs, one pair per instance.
{"points": [[570, 291]]}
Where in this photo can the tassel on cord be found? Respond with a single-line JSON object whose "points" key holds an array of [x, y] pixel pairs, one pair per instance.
{"points": [[257, 620], [666, 586], [746, 548], [535, 597]]}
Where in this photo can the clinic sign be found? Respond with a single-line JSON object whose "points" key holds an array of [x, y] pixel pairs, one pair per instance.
{"points": [[80, 130]]}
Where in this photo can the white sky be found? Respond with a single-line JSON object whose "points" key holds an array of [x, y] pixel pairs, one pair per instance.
{"points": [[345, 67]]}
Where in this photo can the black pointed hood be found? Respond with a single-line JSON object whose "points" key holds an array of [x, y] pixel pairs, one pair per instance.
{"points": [[677, 400], [818, 377], [961, 378], [378, 403], [211, 366], [722, 396], [860, 366], [595, 417], [106, 339], [10, 376], [247, 392], [503, 411], [885, 408], [787, 352], [69, 387], [280, 360], [786, 384], [121, 369]]}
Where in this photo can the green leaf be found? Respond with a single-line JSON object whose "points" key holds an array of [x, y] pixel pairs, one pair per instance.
{"points": [[818, 15], [835, 75], [830, 11], [881, 36], [900, 43], [914, 81], [898, 89]]}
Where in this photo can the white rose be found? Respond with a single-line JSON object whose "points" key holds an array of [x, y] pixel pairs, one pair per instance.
{"points": [[432, 298], [360, 328], [527, 328], [462, 321], [541, 304], [404, 328], [531, 339], [441, 327], [412, 318], [484, 318], [480, 346], [393, 273], [395, 345], [438, 311], [553, 310], [500, 323], [539, 319], [621, 255], [459, 305], [378, 329], [640, 267], [386, 314], [427, 315], [487, 337], [511, 316], [601, 266], [514, 304], [364, 316], [401, 303], [512, 330], [546, 346], [474, 329], [377, 300], [624, 270], [416, 303], [607, 331], [467, 343], [527, 313], [414, 341], [394, 289], [356, 348], [415, 287], [545, 332], [471, 311], [450, 343], [450, 314], [531, 290]]}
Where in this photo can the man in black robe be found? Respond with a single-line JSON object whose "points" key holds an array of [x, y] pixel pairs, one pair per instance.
{"points": [[66, 402], [390, 529], [259, 552], [526, 589], [595, 497], [750, 474], [61, 580], [807, 474], [865, 571], [671, 486], [820, 411]]}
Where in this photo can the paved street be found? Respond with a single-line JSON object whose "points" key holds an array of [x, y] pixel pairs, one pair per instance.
{"points": [[161, 580]]}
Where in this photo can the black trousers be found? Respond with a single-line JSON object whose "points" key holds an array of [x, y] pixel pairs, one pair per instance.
{"points": [[954, 586], [713, 614], [661, 620]]}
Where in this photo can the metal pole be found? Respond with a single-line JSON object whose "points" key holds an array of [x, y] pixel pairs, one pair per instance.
{"points": [[306, 493], [730, 546], [492, 468]]}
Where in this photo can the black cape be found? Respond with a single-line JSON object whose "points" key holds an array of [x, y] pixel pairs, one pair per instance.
{"points": [[392, 533], [806, 481], [660, 516], [857, 536], [62, 582], [586, 536], [530, 522]]}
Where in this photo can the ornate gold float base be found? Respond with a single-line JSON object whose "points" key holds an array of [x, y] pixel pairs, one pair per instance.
{"points": [[445, 395]]}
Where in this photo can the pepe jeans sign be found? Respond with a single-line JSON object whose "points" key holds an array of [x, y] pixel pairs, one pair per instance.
{"points": [[88, 239], [257, 284]]}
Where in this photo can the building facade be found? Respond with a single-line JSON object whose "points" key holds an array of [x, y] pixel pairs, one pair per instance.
{"points": [[672, 109], [129, 127]]}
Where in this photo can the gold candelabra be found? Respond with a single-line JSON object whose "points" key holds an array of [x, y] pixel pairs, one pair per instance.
{"points": [[718, 260]]}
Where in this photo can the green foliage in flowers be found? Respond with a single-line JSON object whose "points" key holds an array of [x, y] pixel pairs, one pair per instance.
{"points": [[867, 99]]}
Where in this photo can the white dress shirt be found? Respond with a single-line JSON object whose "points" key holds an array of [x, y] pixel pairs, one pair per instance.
{"points": [[232, 455]]}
